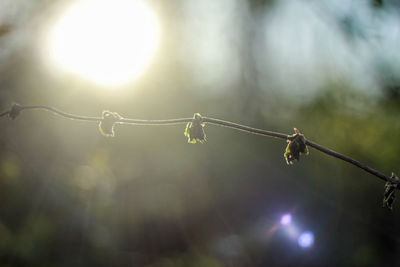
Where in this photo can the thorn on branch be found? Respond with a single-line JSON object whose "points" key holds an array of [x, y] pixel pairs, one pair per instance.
{"points": [[296, 146], [15, 111], [389, 194], [195, 130], [107, 123]]}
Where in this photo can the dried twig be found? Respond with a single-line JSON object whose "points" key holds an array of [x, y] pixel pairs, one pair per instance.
{"points": [[195, 132]]}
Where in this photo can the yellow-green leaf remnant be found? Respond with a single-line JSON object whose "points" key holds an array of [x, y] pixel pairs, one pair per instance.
{"points": [[107, 123], [296, 146], [389, 194], [195, 130]]}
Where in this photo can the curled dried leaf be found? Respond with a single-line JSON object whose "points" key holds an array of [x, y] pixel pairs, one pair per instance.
{"points": [[15, 111], [296, 146], [107, 123], [195, 130]]}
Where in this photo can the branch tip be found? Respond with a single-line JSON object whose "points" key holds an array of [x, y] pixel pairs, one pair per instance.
{"points": [[389, 195]]}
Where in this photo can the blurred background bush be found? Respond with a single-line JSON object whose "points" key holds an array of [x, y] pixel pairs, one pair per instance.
{"points": [[71, 197]]}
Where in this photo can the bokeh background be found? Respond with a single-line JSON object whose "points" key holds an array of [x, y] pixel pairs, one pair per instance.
{"points": [[72, 197]]}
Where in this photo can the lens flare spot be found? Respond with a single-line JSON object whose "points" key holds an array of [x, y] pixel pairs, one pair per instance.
{"points": [[306, 239], [286, 219]]}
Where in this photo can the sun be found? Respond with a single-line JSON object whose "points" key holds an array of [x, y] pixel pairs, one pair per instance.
{"points": [[110, 42]]}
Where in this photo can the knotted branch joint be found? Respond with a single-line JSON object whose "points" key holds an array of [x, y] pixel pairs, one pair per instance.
{"points": [[296, 146], [107, 123], [389, 193], [195, 130]]}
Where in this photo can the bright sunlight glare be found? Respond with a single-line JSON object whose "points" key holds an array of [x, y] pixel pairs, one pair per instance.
{"points": [[110, 42]]}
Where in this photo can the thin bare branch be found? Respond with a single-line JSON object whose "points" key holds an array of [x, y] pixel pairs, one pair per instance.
{"points": [[351, 161], [245, 128], [62, 113], [154, 122], [5, 113], [217, 122]]}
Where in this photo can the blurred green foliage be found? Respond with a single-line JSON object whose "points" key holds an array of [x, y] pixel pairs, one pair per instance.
{"points": [[71, 197]]}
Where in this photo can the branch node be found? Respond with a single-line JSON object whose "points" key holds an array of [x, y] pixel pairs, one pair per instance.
{"points": [[296, 146], [107, 123], [389, 193], [195, 130], [15, 111]]}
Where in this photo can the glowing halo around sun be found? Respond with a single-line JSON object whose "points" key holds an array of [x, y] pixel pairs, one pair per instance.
{"points": [[110, 42]]}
